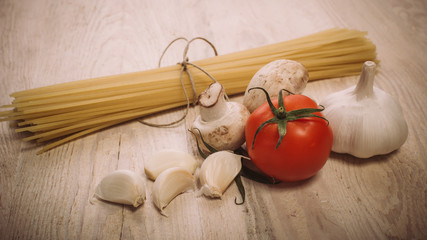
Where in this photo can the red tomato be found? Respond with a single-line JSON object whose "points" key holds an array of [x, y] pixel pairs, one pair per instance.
{"points": [[304, 149]]}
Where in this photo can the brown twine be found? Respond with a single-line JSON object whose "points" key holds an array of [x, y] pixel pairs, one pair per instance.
{"points": [[185, 62]]}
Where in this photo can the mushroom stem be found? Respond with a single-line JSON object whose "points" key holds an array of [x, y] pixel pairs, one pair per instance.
{"points": [[212, 103]]}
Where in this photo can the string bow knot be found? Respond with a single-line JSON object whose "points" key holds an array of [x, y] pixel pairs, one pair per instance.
{"points": [[184, 68]]}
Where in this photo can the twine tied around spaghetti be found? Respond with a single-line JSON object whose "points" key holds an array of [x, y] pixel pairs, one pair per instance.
{"points": [[184, 68]]}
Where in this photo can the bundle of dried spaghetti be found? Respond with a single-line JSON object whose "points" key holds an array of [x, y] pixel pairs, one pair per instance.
{"points": [[63, 112]]}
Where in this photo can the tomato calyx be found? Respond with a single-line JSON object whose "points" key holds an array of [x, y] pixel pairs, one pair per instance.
{"points": [[282, 117]]}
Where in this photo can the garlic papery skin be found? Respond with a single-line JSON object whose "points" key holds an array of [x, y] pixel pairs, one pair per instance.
{"points": [[169, 184], [165, 159], [217, 172], [221, 123], [365, 120], [122, 186]]}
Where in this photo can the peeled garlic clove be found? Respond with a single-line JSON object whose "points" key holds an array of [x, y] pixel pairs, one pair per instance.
{"points": [[122, 186], [365, 120], [169, 184], [165, 159], [218, 171]]}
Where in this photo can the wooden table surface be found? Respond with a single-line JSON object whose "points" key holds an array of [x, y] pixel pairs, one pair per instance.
{"points": [[48, 196]]}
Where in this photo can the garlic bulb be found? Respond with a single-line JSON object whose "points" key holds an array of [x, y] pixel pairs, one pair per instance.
{"points": [[365, 120], [122, 186], [218, 171], [165, 159], [169, 184]]}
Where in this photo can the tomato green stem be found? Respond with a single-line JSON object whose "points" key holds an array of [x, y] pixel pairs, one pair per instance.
{"points": [[241, 189], [282, 117]]}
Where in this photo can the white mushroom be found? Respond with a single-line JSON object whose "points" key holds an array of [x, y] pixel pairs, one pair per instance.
{"points": [[221, 122], [277, 75]]}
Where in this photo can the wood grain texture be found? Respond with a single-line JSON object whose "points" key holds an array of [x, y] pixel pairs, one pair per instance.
{"points": [[50, 196]]}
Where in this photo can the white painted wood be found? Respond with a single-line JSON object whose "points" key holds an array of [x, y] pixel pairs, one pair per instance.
{"points": [[48, 196]]}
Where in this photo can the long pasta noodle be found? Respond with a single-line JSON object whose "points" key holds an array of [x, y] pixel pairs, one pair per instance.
{"points": [[66, 111]]}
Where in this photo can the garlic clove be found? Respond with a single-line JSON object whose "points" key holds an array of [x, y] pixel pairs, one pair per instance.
{"points": [[165, 159], [122, 186], [217, 172], [365, 120], [169, 184], [276, 75]]}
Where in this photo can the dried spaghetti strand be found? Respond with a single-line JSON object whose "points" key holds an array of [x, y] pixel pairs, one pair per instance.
{"points": [[65, 111]]}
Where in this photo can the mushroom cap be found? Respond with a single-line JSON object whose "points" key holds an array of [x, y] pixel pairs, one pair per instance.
{"points": [[276, 75]]}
